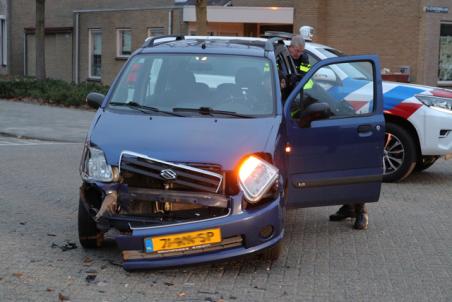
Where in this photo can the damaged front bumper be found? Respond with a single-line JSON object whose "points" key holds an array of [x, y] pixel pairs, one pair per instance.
{"points": [[241, 230]]}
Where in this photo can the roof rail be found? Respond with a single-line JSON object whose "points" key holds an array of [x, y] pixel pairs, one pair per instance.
{"points": [[279, 34], [151, 42], [269, 43]]}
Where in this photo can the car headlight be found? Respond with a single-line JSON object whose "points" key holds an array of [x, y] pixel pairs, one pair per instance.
{"points": [[435, 102], [94, 166], [256, 177]]}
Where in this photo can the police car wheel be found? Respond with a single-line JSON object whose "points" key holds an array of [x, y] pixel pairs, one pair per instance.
{"points": [[88, 234], [399, 159]]}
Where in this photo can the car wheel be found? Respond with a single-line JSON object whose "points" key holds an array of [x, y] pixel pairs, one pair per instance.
{"points": [[399, 159], [425, 162], [272, 253], [88, 234]]}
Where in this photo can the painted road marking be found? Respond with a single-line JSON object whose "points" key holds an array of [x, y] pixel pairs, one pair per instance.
{"points": [[9, 141]]}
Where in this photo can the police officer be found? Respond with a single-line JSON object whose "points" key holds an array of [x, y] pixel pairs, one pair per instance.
{"points": [[300, 58]]}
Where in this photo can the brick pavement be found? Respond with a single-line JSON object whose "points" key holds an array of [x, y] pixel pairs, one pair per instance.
{"points": [[406, 255]]}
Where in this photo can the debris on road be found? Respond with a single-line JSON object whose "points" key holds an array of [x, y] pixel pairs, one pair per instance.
{"points": [[114, 263], [49, 289], [68, 245], [90, 278], [51, 235], [87, 261], [18, 275], [181, 294], [62, 297]]}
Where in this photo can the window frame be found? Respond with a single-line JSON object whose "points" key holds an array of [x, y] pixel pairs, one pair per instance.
{"points": [[149, 29], [119, 43], [439, 82], [91, 32]]}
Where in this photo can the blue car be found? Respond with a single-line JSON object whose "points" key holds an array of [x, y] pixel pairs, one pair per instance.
{"points": [[197, 150]]}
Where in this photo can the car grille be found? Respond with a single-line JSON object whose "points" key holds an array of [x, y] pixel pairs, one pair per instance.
{"points": [[138, 170]]}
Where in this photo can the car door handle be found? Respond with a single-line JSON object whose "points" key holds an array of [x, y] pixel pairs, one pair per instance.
{"points": [[365, 130]]}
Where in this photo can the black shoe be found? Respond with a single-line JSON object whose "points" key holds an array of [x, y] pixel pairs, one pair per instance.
{"points": [[361, 222], [344, 212]]}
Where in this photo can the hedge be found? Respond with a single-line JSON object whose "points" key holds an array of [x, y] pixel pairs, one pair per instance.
{"points": [[49, 91]]}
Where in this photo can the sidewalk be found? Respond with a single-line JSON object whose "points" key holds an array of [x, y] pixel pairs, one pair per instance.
{"points": [[19, 119]]}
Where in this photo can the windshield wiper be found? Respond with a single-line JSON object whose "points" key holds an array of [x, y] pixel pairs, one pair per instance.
{"points": [[210, 111], [142, 108]]}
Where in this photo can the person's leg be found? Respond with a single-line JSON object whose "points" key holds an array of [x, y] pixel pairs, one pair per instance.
{"points": [[344, 212], [362, 218]]}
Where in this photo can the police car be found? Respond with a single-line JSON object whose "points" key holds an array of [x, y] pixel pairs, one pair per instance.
{"points": [[418, 118]]}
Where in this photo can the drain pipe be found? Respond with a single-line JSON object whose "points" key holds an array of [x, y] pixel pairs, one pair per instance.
{"points": [[77, 48], [25, 59], [170, 22]]}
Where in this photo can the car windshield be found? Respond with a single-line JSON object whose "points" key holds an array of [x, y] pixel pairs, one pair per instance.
{"points": [[355, 71], [221, 83]]}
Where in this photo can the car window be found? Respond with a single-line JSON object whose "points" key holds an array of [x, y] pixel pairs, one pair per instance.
{"points": [[352, 97], [312, 59], [240, 84], [354, 71]]}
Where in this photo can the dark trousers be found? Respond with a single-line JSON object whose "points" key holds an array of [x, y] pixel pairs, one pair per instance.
{"points": [[359, 208]]}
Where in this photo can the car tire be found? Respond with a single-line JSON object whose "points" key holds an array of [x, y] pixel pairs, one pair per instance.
{"points": [[425, 162], [400, 153], [89, 236], [272, 253]]}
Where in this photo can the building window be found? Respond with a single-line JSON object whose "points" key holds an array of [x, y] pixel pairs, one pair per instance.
{"points": [[3, 42], [445, 54], [124, 42], [95, 53], [156, 31]]}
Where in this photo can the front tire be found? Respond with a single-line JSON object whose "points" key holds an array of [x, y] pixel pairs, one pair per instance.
{"points": [[89, 236], [400, 153]]}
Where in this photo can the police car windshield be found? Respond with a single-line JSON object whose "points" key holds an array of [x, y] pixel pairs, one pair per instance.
{"points": [[355, 71], [239, 84]]}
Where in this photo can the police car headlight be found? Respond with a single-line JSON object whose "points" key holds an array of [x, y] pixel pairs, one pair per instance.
{"points": [[442, 104], [94, 166], [256, 177]]}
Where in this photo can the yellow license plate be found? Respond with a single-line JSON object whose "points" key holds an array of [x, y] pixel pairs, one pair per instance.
{"points": [[182, 241]]}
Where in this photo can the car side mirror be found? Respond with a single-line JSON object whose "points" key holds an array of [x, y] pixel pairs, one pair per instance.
{"points": [[314, 112], [325, 74], [95, 100]]}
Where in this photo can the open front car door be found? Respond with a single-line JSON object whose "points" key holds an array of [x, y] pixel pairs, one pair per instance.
{"points": [[335, 128]]}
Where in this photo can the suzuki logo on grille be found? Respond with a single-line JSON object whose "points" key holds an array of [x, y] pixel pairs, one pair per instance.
{"points": [[168, 174]]}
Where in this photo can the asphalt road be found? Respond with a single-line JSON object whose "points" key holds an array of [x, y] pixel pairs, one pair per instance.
{"points": [[406, 255]]}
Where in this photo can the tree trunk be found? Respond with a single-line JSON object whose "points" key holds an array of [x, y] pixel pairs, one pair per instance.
{"points": [[40, 40], [201, 17]]}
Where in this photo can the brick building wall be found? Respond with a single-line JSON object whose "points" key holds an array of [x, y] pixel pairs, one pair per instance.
{"points": [[400, 32], [430, 25], [59, 13], [138, 21]]}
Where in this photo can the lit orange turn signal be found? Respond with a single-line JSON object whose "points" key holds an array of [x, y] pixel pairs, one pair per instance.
{"points": [[247, 167]]}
